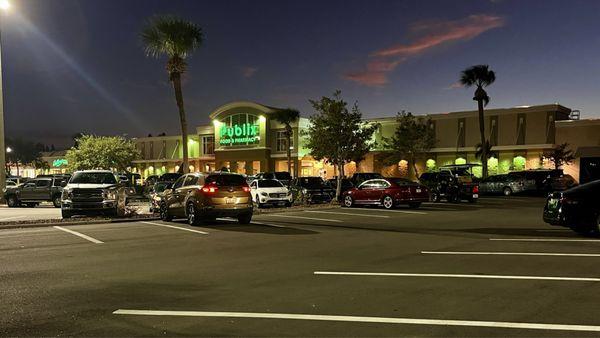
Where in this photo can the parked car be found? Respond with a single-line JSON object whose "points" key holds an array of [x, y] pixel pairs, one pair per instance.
{"points": [[271, 192], [93, 191], [358, 178], [506, 184], [453, 183], [560, 182], [169, 177], [346, 185], [576, 208], [282, 176], [35, 191], [547, 180], [388, 192], [156, 195], [311, 190], [199, 197]]}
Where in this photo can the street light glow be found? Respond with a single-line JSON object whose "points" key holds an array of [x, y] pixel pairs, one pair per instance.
{"points": [[4, 5], [8, 149]]}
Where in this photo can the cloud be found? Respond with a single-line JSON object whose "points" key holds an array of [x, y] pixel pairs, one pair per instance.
{"points": [[429, 35], [455, 85], [249, 72]]}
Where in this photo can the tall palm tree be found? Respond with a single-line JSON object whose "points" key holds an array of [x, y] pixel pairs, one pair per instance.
{"points": [[176, 39], [480, 76], [287, 117]]}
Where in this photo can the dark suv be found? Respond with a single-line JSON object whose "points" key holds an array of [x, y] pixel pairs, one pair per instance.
{"points": [[199, 197], [308, 190], [31, 193]]}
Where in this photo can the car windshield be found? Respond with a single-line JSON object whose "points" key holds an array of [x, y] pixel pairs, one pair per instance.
{"points": [[160, 186], [170, 177], [226, 180], [311, 182], [93, 178], [269, 184]]}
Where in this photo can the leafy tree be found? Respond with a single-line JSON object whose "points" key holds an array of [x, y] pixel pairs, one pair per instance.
{"points": [[411, 141], [177, 39], [480, 76], [287, 117], [559, 155], [102, 152], [338, 135]]}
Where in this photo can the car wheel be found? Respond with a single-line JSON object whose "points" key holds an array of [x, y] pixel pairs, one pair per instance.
{"points": [[348, 201], [245, 218], [192, 214], [164, 213], [66, 214], [414, 205], [258, 204], [12, 201], [56, 201], [435, 196], [388, 202], [507, 191]]}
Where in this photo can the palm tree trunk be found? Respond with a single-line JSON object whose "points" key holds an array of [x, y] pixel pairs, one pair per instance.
{"points": [[176, 78], [484, 171]]}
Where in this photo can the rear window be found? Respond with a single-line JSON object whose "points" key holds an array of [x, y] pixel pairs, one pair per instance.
{"points": [[269, 184], [226, 180]]}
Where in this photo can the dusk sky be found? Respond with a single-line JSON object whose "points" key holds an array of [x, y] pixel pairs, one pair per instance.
{"points": [[78, 66]]}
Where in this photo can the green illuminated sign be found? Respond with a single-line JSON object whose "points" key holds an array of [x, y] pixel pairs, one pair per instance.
{"points": [[59, 162], [245, 133]]}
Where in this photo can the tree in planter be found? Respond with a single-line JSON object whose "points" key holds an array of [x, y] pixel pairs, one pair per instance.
{"points": [[102, 152], [480, 76], [287, 117], [177, 39], [412, 140], [338, 135], [559, 155]]}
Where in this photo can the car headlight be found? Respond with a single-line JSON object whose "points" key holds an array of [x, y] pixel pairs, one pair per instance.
{"points": [[67, 194], [304, 190], [264, 194], [109, 194]]}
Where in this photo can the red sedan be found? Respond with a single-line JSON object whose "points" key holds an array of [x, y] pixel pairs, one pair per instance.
{"points": [[388, 192]]}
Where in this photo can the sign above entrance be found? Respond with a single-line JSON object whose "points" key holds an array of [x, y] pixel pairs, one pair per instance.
{"points": [[240, 129]]}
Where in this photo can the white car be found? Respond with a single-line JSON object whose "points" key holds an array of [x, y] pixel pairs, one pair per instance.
{"points": [[265, 191]]}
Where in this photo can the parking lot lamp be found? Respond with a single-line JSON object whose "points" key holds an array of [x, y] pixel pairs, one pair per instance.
{"points": [[4, 6]]}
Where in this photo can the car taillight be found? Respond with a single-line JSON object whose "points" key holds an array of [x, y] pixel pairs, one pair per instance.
{"points": [[246, 188], [210, 188], [476, 189]]}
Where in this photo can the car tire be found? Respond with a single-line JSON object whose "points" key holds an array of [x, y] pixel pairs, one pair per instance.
{"points": [[414, 205], [258, 204], [192, 214], [245, 218], [435, 196], [66, 214], [348, 201], [12, 201], [507, 191], [164, 213], [388, 202], [56, 200]]}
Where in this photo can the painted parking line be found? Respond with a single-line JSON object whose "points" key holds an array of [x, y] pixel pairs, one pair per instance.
{"points": [[345, 213], [509, 253], [176, 227], [361, 319], [443, 275], [306, 218], [253, 222], [404, 211], [79, 234], [543, 240]]}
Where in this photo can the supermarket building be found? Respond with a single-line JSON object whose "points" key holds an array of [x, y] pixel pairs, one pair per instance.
{"points": [[245, 139]]}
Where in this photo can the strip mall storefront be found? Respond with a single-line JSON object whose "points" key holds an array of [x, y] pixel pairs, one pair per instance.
{"points": [[245, 139]]}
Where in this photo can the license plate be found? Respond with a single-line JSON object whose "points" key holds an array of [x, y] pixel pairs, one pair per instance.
{"points": [[418, 190], [475, 195], [281, 203], [552, 203], [230, 200]]}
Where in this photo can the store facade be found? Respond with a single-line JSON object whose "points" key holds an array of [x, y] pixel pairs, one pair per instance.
{"points": [[244, 138]]}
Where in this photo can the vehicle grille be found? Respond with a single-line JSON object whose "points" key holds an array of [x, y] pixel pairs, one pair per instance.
{"points": [[277, 195], [87, 195]]}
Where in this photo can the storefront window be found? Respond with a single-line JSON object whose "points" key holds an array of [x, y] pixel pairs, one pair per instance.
{"points": [[208, 145], [519, 163], [281, 141], [460, 160]]}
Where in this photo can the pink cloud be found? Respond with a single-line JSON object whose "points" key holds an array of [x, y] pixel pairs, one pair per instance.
{"points": [[249, 72], [430, 35], [455, 85]]}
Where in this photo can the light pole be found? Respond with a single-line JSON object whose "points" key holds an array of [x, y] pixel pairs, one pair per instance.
{"points": [[4, 6]]}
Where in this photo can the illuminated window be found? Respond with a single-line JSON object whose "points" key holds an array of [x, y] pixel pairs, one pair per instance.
{"points": [[460, 160], [430, 164], [282, 140], [208, 145]]}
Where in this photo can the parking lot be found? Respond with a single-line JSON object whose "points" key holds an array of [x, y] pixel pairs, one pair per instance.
{"points": [[487, 269]]}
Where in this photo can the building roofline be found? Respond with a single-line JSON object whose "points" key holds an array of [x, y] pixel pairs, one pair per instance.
{"points": [[236, 104]]}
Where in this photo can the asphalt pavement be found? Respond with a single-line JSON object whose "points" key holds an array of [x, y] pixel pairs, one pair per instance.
{"points": [[487, 269]]}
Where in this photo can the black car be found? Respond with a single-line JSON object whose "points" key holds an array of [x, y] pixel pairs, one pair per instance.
{"points": [[309, 190], [576, 208], [358, 178], [346, 185]]}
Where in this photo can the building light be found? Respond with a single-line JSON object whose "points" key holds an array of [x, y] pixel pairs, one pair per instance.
{"points": [[262, 118], [216, 123]]}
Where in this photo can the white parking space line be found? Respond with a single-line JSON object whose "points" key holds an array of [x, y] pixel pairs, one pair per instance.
{"points": [[442, 275], [361, 319], [176, 227], [9, 218], [508, 253], [253, 222], [345, 213], [543, 240], [79, 234], [404, 211], [307, 218]]}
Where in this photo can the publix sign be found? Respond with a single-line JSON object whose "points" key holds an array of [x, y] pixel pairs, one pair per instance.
{"points": [[239, 134]]}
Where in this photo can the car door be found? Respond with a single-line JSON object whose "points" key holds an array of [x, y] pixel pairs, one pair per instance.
{"points": [[173, 202], [189, 183], [361, 196], [378, 190], [28, 190], [42, 189]]}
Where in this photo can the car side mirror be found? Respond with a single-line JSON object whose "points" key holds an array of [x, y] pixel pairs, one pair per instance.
{"points": [[63, 184]]}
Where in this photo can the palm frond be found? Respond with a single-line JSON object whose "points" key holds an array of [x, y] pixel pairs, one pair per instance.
{"points": [[171, 36], [286, 116], [479, 75]]}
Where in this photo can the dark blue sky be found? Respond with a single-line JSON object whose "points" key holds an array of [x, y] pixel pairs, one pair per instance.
{"points": [[73, 66]]}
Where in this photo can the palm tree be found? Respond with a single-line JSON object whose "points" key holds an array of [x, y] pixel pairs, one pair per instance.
{"points": [[176, 39], [287, 117], [480, 76]]}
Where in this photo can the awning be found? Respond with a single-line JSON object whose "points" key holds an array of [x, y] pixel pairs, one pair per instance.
{"points": [[588, 151]]}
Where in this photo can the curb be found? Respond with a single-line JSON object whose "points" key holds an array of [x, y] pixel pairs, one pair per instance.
{"points": [[59, 223]]}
